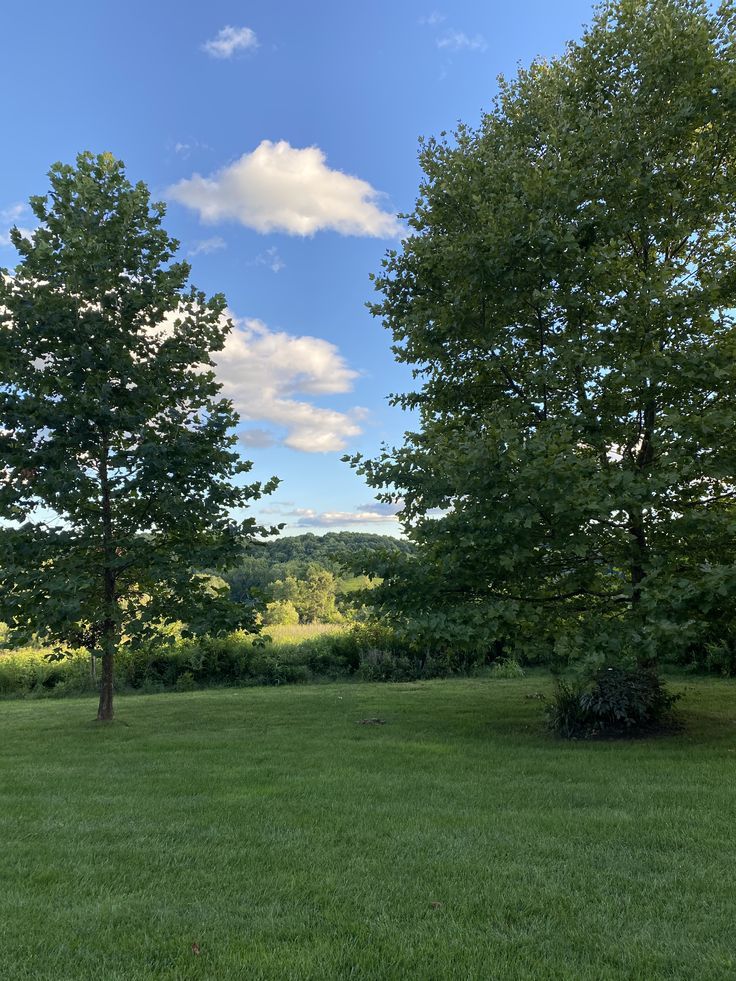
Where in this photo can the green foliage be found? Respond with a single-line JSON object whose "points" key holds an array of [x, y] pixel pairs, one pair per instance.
{"points": [[615, 701], [286, 568], [279, 656], [313, 597], [281, 612], [565, 297], [334, 550], [507, 668], [718, 657], [119, 459]]}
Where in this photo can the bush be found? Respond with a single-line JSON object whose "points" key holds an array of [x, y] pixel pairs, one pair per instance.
{"points": [[369, 651], [186, 682], [715, 656], [616, 700], [508, 668], [280, 613], [378, 665]]}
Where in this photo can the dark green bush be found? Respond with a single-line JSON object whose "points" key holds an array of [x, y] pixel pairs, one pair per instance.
{"points": [[616, 700], [713, 656]]}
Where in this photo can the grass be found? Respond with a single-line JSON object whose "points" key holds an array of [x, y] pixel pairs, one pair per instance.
{"points": [[296, 633], [289, 841]]}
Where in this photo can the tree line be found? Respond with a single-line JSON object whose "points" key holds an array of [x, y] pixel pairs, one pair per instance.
{"points": [[565, 297]]}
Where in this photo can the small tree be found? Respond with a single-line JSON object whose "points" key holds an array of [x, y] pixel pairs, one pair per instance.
{"points": [[280, 613], [118, 466], [566, 296], [313, 597]]}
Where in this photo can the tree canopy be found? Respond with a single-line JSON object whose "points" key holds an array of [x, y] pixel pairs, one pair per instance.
{"points": [[117, 453], [566, 297]]}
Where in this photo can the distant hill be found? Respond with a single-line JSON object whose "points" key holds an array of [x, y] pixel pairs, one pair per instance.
{"points": [[329, 549], [266, 563]]}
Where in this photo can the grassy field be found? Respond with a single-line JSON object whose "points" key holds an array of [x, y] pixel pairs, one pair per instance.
{"points": [[283, 634], [286, 840]]}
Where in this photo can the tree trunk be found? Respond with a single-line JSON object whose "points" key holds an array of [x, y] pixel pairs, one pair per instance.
{"points": [[643, 461], [104, 711], [109, 626], [638, 557]]}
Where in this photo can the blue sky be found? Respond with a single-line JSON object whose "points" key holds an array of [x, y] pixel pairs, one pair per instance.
{"points": [[283, 136]]}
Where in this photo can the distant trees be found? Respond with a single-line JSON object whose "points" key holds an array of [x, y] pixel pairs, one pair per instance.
{"points": [[117, 453], [566, 298], [313, 598], [313, 574], [280, 613]]}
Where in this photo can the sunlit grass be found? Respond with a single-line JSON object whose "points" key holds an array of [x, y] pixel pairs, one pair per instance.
{"points": [[287, 839], [285, 634]]}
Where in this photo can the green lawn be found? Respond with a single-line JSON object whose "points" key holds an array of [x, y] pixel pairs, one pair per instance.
{"points": [[287, 840]]}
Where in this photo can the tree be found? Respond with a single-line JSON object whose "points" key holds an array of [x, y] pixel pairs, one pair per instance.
{"points": [[313, 597], [566, 298], [280, 613], [119, 473]]}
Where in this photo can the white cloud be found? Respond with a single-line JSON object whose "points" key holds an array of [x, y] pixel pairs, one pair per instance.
{"points": [[258, 438], [186, 149], [208, 245], [282, 188], [460, 41], [229, 40], [433, 20], [378, 507], [309, 518], [270, 375], [271, 259], [13, 211]]}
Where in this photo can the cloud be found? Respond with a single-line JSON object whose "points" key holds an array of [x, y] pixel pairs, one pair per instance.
{"points": [[371, 513], [186, 149], [282, 188], [270, 258], [460, 41], [378, 507], [208, 245], [309, 518], [229, 40], [271, 377], [280, 507], [13, 211], [258, 438], [433, 20]]}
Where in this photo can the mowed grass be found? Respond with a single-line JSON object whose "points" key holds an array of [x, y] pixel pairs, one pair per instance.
{"points": [[284, 839]]}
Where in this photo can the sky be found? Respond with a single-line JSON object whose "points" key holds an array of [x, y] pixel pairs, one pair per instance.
{"points": [[283, 137]]}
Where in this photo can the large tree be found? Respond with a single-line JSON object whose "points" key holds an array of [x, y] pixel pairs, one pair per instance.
{"points": [[566, 298], [118, 467]]}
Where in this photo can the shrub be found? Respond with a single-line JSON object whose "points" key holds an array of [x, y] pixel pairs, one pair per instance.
{"points": [[280, 613], [378, 665], [186, 682], [616, 700], [714, 656], [507, 668]]}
